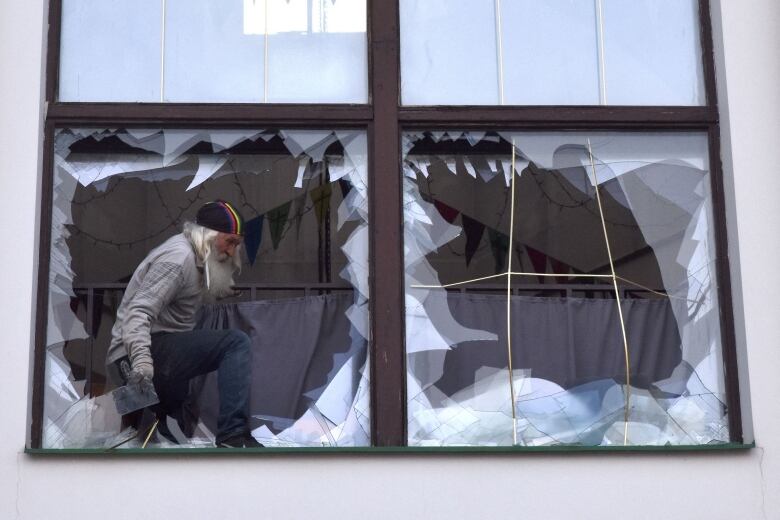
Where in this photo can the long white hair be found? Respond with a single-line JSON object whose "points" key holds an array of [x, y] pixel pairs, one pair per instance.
{"points": [[219, 271]]}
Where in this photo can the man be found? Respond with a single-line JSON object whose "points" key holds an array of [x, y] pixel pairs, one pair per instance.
{"points": [[153, 335]]}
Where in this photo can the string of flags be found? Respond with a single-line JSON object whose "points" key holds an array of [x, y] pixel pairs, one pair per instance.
{"points": [[499, 244], [279, 217]]}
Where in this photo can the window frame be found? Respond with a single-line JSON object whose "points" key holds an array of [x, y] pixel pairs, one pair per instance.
{"points": [[384, 118]]}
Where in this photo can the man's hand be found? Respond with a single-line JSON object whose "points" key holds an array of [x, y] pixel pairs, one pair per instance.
{"points": [[141, 375], [141, 370]]}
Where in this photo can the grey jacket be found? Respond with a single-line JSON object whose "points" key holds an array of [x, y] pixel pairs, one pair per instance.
{"points": [[164, 294]]}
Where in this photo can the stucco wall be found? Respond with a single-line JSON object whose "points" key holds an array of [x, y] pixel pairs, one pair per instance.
{"points": [[743, 485]]}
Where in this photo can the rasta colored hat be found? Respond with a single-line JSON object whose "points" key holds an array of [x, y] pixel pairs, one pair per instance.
{"points": [[220, 216]]}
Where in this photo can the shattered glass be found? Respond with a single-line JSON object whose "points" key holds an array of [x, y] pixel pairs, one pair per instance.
{"points": [[118, 193], [569, 300]]}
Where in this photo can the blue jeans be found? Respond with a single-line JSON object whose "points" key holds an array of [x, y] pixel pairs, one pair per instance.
{"points": [[180, 356]]}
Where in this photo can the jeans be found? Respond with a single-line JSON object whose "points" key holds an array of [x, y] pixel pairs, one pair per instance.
{"points": [[180, 356]]}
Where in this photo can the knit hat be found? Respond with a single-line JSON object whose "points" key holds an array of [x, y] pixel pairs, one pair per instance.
{"points": [[220, 216]]}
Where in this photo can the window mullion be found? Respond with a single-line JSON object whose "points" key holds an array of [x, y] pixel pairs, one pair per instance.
{"points": [[388, 404]]}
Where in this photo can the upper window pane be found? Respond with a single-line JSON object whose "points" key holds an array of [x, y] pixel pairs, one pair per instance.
{"points": [[234, 51], [110, 50], [557, 52]]}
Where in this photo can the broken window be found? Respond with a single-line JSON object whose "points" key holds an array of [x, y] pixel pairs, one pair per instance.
{"points": [[561, 289], [556, 52], [118, 193], [515, 325], [233, 51]]}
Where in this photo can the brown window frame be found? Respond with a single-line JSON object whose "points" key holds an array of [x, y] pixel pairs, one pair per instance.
{"points": [[384, 118]]}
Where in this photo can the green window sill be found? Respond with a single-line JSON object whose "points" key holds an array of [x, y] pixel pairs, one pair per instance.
{"points": [[400, 450]]}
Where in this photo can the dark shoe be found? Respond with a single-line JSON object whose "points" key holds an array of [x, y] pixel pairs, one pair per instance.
{"points": [[241, 440], [251, 442]]}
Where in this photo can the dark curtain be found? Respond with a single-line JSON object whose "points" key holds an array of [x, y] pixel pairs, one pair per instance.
{"points": [[299, 344], [569, 341]]}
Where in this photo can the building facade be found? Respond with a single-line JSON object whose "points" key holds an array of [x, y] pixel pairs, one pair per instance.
{"points": [[712, 484]]}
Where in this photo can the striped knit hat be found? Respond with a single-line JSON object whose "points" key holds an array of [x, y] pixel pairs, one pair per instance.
{"points": [[220, 216]]}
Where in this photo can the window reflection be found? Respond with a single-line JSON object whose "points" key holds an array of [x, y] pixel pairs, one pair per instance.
{"points": [[304, 16]]}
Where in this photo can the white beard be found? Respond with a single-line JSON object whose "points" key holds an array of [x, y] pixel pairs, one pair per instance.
{"points": [[218, 270]]}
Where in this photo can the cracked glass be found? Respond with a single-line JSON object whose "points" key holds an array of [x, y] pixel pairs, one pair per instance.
{"points": [[561, 290], [303, 286]]}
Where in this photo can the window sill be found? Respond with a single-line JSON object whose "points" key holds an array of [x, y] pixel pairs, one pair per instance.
{"points": [[400, 450]]}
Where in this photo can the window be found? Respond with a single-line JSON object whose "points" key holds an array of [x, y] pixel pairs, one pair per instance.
{"points": [[580, 262], [303, 193], [560, 52], [487, 224], [265, 51]]}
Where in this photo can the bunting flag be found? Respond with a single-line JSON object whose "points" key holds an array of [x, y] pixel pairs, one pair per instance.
{"points": [[299, 203], [277, 219], [449, 214], [253, 236], [538, 260], [320, 197], [474, 230], [345, 187], [499, 243]]}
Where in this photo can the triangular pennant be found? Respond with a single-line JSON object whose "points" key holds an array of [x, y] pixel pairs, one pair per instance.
{"points": [[499, 243], [473, 230], [299, 204], [320, 197], [538, 260], [253, 237], [277, 219], [449, 214]]}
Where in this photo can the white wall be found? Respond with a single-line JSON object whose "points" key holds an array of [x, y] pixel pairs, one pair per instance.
{"points": [[743, 485]]}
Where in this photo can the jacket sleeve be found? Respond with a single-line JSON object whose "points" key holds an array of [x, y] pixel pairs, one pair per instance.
{"points": [[157, 289]]}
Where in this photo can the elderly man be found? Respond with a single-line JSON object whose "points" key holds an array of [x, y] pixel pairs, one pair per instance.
{"points": [[153, 336]]}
